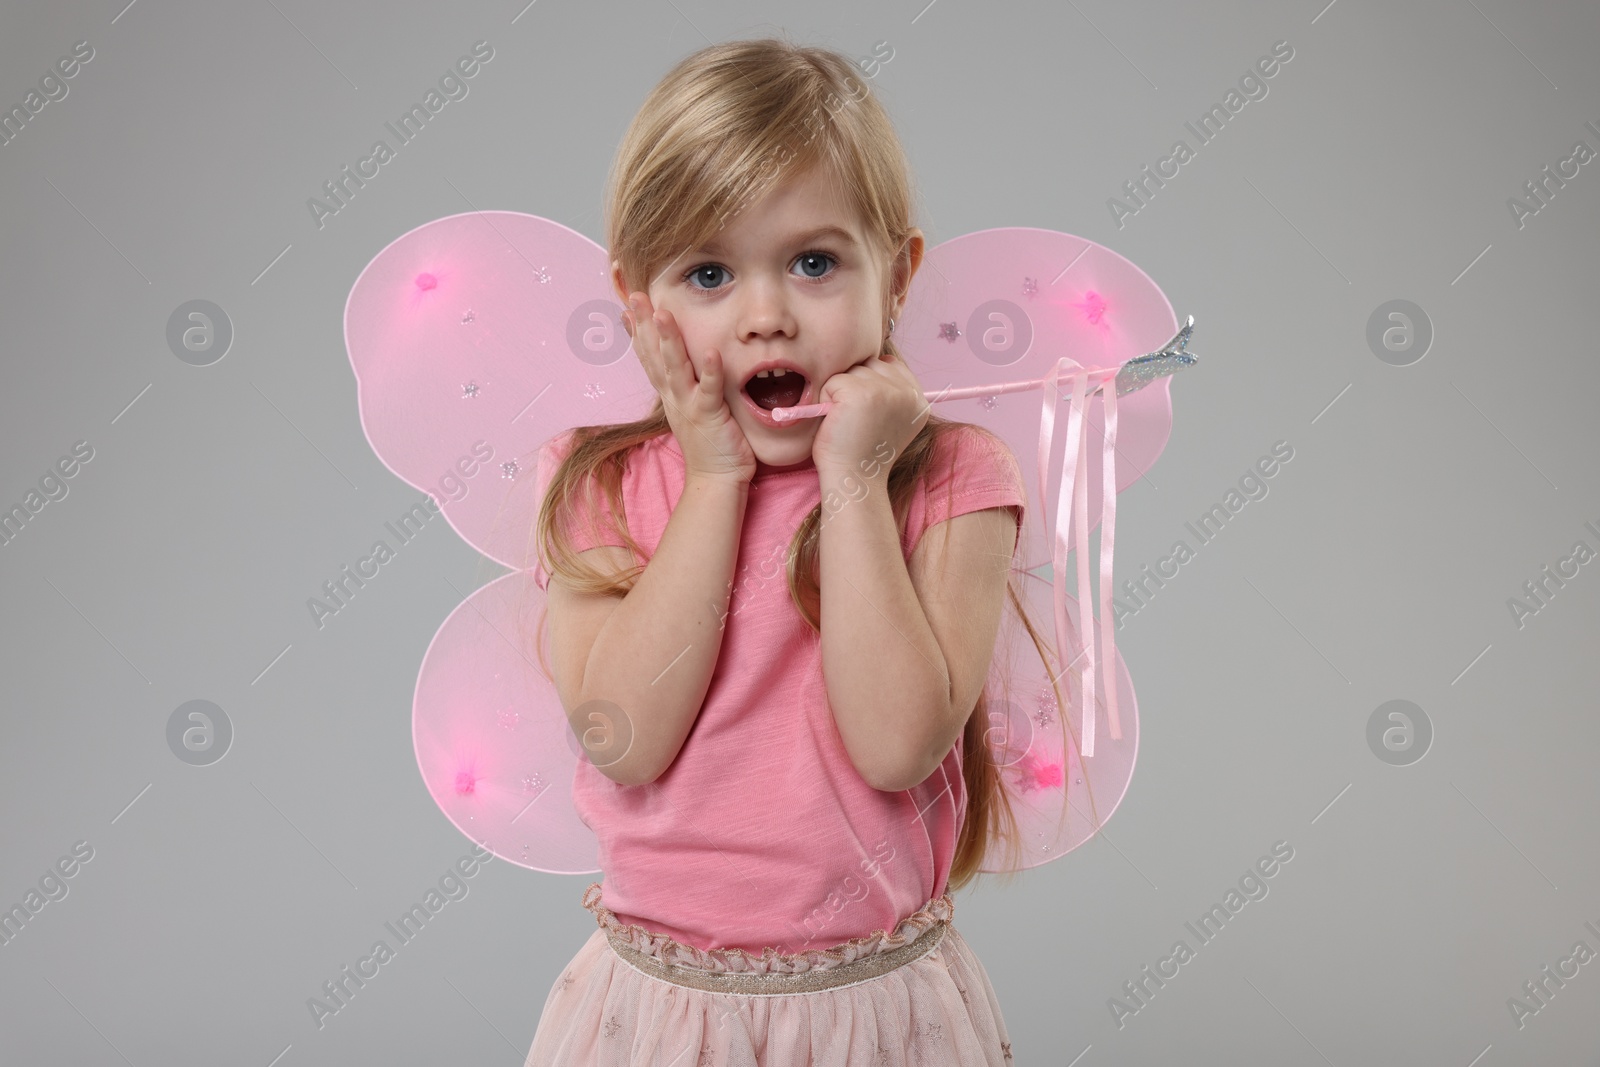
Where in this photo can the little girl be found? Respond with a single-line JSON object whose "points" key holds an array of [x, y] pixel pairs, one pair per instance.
{"points": [[771, 638]]}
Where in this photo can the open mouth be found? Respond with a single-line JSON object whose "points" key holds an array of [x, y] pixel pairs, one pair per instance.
{"points": [[776, 387]]}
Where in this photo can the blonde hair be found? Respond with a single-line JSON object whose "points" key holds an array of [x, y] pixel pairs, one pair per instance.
{"points": [[719, 130]]}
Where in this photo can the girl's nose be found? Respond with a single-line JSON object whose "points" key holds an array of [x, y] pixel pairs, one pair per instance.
{"points": [[765, 311]]}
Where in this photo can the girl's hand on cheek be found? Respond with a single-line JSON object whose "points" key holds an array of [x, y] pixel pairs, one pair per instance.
{"points": [[877, 404], [712, 443]]}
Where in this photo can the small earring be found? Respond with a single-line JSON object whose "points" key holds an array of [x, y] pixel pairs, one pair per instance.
{"points": [[891, 326]]}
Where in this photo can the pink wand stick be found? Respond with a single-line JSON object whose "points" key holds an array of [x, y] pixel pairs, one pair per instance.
{"points": [[1132, 376], [1098, 377]]}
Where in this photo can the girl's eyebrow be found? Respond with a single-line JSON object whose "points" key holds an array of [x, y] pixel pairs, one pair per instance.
{"points": [[834, 232]]}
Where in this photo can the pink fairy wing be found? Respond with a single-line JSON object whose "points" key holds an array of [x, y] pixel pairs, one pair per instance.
{"points": [[1003, 305], [492, 740], [1059, 798], [475, 338]]}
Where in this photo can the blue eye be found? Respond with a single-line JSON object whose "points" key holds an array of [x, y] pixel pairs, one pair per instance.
{"points": [[804, 256], [806, 260], [701, 271]]}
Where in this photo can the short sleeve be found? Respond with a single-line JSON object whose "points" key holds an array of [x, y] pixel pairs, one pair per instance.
{"points": [[972, 469], [580, 533]]}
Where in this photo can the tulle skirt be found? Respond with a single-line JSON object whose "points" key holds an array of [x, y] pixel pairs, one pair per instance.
{"points": [[631, 997]]}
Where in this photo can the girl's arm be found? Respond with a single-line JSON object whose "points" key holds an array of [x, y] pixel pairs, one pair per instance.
{"points": [[906, 645], [654, 656]]}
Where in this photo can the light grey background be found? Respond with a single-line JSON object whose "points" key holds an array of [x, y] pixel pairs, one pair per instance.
{"points": [[1379, 566]]}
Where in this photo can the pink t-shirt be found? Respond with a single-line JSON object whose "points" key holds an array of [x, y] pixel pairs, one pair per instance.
{"points": [[761, 832]]}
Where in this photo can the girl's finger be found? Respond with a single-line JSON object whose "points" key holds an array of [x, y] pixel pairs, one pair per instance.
{"points": [[652, 335], [641, 342], [660, 367], [659, 347], [673, 348], [711, 381]]}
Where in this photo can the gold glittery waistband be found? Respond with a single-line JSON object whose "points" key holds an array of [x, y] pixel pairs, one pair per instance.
{"points": [[858, 970]]}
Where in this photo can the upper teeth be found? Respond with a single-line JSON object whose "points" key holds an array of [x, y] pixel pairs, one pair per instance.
{"points": [[772, 373]]}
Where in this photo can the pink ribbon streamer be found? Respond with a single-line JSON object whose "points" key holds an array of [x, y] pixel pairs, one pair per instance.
{"points": [[1072, 503]]}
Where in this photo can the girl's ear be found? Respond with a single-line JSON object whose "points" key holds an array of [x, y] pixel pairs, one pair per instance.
{"points": [[622, 295], [616, 281], [906, 262]]}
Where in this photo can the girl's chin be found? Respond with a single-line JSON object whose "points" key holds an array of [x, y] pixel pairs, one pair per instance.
{"points": [[779, 457], [781, 448]]}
